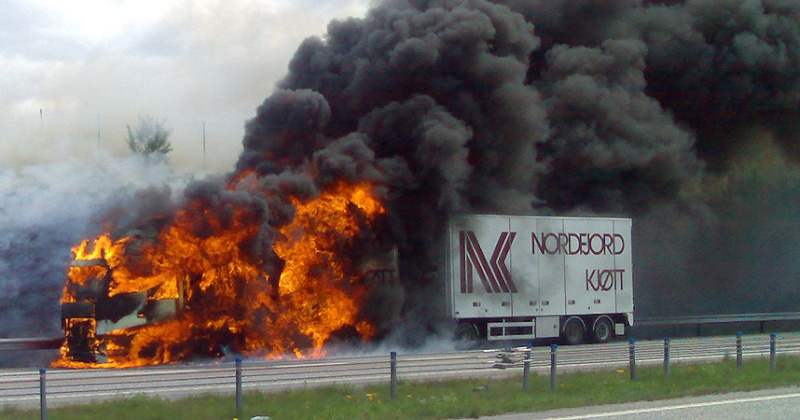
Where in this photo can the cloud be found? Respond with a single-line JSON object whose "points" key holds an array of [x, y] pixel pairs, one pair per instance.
{"points": [[192, 63], [23, 29]]}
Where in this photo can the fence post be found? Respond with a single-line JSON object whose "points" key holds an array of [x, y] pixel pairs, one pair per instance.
{"points": [[526, 375], [43, 394], [666, 357], [773, 365], [738, 350], [553, 363], [393, 370], [632, 357], [238, 387]]}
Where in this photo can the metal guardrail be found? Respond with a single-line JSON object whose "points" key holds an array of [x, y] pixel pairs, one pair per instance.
{"points": [[29, 388], [718, 319], [9, 344]]}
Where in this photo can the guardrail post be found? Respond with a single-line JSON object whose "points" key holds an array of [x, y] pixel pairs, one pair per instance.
{"points": [[393, 370], [632, 357], [773, 366], [238, 387], [553, 363], [666, 357], [43, 394], [738, 350], [526, 375]]}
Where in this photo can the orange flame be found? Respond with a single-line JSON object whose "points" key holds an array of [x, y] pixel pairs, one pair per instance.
{"points": [[209, 267], [102, 249], [322, 295]]}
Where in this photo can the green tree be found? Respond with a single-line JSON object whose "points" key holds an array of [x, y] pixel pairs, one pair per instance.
{"points": [[150, 137]]}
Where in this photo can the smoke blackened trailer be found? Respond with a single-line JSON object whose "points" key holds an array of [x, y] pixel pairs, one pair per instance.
{"points": [[539, 277]]}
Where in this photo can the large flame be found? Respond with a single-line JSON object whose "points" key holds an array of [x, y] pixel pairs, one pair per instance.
{"points": [[209, 268], [322, 296]]}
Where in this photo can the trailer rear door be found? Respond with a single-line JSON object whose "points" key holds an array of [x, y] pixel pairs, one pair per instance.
{"points": [[623, 261]]}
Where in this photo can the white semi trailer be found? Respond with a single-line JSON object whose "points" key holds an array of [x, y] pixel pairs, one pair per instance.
{"points": [[515, 277]]}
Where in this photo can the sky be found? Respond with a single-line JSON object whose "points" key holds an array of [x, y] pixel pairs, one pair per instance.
{"points": [[76, 73]]}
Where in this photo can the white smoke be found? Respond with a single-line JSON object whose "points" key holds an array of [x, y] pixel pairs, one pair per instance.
{"points": [[81, 72], [48, 208]]}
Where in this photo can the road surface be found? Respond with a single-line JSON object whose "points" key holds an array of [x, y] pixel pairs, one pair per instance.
{"points": [[779, 404]]}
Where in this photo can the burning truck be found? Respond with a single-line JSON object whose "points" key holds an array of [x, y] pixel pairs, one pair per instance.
{"points": [[199, 284], [91, 309]]}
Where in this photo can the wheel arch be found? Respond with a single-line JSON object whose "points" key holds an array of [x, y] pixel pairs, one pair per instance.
{"points": [[468, 325], [565, 320], [604, 334], [604, 316]]}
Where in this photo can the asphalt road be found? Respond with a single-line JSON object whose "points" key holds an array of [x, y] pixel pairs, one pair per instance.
{"points": [[779, 404]]}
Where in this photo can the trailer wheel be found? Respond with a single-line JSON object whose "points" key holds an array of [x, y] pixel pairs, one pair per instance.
{"points": [[574, 331], [466, 332], [603, 329]]}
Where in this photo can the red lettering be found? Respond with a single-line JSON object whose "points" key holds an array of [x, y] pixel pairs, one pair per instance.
{"points": [[574, 243], [553, 250], [604, 280], [620, 242], [583, 243]]}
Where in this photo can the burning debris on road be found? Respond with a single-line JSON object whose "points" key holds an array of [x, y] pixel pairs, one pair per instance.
{"points": [[422, 109]]}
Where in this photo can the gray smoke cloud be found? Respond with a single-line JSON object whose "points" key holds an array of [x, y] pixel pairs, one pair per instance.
{"points": [[615, 148], [467, 61], [47, 209]]}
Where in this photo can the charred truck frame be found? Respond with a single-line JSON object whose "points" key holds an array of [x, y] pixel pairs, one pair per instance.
{"points": [[94, 312], [514, 277]]}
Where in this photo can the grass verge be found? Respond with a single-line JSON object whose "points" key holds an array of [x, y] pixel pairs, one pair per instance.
{"points": [[449, 399]]}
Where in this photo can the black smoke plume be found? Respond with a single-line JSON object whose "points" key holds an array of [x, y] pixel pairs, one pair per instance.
{"points": [[564, 107]]}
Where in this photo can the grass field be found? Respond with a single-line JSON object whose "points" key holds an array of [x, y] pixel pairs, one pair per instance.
{"points": [[450, 399]]}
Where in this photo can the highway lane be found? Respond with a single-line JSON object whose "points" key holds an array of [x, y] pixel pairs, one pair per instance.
{"points": [[20, 387], [783, 403]]}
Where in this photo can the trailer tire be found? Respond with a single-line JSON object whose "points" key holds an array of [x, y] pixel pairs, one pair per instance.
{"points": [[574, 331], [466, 332], [602, 329]]}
